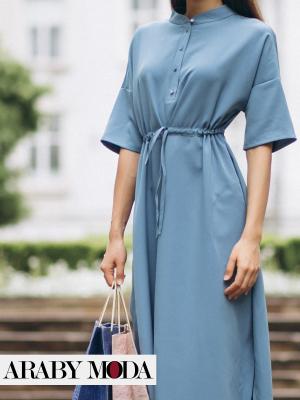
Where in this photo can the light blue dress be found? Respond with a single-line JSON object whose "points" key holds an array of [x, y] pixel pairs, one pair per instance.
{"points": [[185, 81]]}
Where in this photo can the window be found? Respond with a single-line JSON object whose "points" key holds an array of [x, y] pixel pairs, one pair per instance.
{"points": [[54, 159], [53, 127], [144, 4], [54, 145], [142, 12], [34, 41], [54, 41], [53, 123], [45, 147], [45, 42], [33, 157]]}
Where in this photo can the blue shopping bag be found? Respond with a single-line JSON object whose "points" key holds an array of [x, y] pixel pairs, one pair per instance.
{"points": [[100, 343]]}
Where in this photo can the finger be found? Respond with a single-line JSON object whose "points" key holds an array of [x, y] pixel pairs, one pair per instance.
{"points": [[237, 283], [238, 291], [108, 271], [246, 282], [120, 276], [237, 294], [109, 276], [230, 267], [249, 281], [252, 280]]}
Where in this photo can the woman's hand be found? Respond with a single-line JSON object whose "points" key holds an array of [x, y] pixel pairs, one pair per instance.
{"points": [[114, 258], [246, 256]]}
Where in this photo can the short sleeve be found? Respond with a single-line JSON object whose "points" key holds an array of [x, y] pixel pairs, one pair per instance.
{"points": [[267, 115], [121, 130]]}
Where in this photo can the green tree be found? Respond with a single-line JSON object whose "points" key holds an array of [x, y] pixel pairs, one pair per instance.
{"points": [[19, 117]]}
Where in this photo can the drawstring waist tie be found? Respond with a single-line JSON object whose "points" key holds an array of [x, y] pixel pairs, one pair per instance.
{"points": [[150, 139]]}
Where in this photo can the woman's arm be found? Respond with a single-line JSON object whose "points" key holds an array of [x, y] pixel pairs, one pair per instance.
{"points": [[115, 255], [246, 252]]}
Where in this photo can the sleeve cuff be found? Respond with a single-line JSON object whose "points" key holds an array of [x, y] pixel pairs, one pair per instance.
{"points": [[116, 146], [278, 142]]}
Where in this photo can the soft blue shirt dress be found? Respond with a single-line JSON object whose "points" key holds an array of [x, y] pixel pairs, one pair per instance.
{"points": [[186, 80]]}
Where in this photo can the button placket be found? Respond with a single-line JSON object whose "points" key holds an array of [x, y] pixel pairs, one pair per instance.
{"points": [[175, 69]]}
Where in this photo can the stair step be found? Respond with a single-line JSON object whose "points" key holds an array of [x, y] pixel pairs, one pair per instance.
{"points": [[274, 303], [286, 378], [40, 394], [40, 341], [284, 322], [53, 302], [94, 303], [286, 360], [286, 394], [285, 341], [283, 304], [37, 388], [277, 321], [62, 320]]}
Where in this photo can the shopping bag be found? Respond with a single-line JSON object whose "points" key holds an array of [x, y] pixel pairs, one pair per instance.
{"points": [[100, 343], [123, 343]]}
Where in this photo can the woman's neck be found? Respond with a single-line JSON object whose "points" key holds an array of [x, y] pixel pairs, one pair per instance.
{"points": [[194, 7]]}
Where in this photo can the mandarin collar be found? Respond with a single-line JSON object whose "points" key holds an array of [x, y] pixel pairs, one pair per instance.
{"points": [[213, 14]]}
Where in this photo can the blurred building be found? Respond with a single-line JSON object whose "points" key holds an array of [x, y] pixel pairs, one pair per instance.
{"points": [[80, 49]]}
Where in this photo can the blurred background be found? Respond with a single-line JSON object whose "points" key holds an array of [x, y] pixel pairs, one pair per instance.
{"points": [[61, 65]]}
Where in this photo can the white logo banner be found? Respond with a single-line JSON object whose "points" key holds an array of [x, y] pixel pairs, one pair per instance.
{"points": [[66, 369]]}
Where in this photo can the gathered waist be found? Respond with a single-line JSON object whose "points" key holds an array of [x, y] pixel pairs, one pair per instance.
{"points": [[182, 131], [149, 140]]}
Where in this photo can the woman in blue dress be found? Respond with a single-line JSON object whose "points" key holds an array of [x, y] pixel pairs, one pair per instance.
{"points": [[198, 299]]}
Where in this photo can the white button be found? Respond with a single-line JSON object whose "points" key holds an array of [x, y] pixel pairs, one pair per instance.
{"points": [[171, 92], [192, 20]]}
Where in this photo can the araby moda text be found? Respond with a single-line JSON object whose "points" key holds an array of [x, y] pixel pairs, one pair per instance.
{"points": [[63, 369], [78, 369]]}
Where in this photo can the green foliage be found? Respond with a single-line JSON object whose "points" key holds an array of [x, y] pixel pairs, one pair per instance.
{"points": [[37, 257], [19, 117], [284, 254], [288, 255], [11, 202]]}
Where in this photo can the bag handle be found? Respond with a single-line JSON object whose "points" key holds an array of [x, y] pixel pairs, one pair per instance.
{"points": [[120, 294], [119, 312], [113, 291], [117, 292]]}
